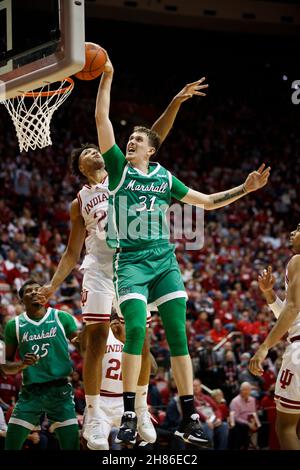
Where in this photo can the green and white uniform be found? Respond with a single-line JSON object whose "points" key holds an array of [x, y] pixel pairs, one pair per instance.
{"points": [[45, 385], [145, 265]]}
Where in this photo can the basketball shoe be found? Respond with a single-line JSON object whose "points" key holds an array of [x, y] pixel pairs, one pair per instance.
{"points": [[94, 437], [190, 430], [145, 426], [128, 429]]}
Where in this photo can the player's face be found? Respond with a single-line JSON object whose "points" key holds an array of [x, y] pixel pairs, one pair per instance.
{"points": [[295, 240], [138, 148], [90, 160], [30, 295]]}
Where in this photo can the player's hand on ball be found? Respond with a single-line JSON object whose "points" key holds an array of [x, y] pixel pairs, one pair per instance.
{"points": [[191, 89], [266, 280], [108, 67], [257, 179]]}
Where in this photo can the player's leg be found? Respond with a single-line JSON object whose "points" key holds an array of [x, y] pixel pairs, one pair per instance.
{"points": [[96, 309], [287, 400], [68, 437], [173, 314], [134, 313], [95, 342], [145, 426], [59, 405], [24, 419], [116, 414], [15, 437], [131, 277], [286, 429], [168, 293]]}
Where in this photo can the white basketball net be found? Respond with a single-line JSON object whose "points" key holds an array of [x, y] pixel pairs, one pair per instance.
{"points": [[32, 113]]}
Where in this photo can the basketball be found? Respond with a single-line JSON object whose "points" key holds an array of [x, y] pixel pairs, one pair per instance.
{"points": [[95, 59]]}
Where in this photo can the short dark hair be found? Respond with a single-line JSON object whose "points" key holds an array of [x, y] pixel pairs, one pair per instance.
{"points": [[27, 283], [154, 139], [74, 159]]}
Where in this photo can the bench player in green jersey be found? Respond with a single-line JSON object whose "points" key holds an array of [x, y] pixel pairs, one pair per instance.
{"points": [[40, 336], [145, 267]]}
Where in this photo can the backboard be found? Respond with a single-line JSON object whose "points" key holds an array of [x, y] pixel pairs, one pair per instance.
{"points": [[40, 42]]}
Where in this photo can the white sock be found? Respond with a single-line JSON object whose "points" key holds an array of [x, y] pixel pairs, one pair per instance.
{"points": [[92, 406], [141, 397]]}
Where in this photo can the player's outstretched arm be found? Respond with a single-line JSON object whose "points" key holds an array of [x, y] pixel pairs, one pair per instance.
{"points": [[266, 282], [165, 122], [285, 320], [70, 257], [105, 130], [255, 180]]}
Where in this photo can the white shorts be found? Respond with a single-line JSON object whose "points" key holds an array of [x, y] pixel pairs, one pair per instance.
{"points": [[287, 390], [97, 293]]}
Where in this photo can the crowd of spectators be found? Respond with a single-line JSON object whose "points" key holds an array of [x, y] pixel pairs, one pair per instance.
{"points": [[213, 146]]}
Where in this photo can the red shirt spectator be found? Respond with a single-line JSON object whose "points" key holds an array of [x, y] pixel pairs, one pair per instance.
{"points": [[218, 396], [205, 406], [218, 332], [201, 325], [8, 388]]}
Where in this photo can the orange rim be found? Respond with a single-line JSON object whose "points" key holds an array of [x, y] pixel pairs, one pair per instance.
{"points": [[33, 94]]}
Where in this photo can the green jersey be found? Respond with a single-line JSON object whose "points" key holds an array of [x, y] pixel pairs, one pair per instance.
{"points": [[47, 338], [138, 203]]}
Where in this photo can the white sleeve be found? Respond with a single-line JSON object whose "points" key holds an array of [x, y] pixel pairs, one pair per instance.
{"points": [[277, 306], [3, 425]]}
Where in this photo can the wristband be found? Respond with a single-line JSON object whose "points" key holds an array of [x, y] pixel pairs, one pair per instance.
{"points": [[277, 306]]}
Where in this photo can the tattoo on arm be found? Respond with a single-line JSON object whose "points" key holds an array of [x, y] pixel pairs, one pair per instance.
{"points": [[229, 195]]}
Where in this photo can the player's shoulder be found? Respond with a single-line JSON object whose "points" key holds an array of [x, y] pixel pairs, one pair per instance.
{"points": [[294, 264], [11, 323], [113, 150], [62, 313], [75, 207], [85, 190], [105, 181]]}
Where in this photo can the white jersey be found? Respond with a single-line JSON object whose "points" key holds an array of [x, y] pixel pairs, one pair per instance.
{"points": [[111, 383], [93, 203], [294, 330]]}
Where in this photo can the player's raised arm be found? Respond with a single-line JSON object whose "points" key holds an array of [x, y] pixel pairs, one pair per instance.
{"points": [[266, 282], [285, 320], [105, 130], [71, 255], [255, 180], [165, 122]]}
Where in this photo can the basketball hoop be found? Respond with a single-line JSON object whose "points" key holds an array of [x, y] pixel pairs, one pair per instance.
{"points": [[32, 112]]}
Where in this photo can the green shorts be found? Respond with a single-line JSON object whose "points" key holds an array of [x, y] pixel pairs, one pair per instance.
{"points": [[151, 275], [55, 400]]}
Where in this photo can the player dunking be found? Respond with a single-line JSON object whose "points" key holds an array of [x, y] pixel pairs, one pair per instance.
{"points": [[287, 391], [145, 267], [88, 215]]}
